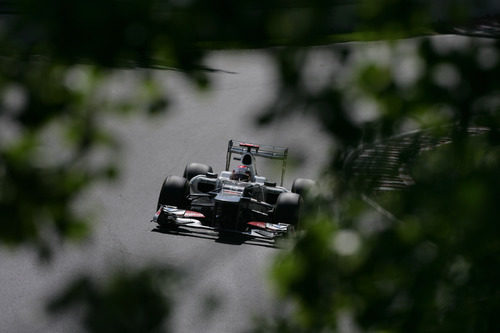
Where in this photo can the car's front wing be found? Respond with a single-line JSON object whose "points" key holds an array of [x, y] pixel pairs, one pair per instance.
{"points": [[173, 216]]}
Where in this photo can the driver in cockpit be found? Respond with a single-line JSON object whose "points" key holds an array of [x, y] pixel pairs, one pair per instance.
{"points": [[241, 173]]}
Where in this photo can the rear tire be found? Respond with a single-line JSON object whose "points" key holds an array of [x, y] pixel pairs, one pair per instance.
{"points": [[174, 192], [195, 169], [302, 185], [287, 209]]}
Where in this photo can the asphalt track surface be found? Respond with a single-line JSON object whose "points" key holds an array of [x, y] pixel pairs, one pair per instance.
{"points": [[226, 285]]}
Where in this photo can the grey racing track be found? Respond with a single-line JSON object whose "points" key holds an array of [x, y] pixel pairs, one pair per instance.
{"points": [[225, 285]]}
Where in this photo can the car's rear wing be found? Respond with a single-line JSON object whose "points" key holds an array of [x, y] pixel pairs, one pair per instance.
{"points": [[266, 151]]}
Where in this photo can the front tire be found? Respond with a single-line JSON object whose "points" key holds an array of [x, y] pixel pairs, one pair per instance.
{"points": [[195, 169], [287, 209], [174, 192]]}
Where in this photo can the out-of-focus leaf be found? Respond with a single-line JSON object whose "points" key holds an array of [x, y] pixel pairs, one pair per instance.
{"points": [[132, 301]]}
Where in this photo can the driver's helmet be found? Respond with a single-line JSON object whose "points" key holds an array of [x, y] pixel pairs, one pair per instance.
{"points": [[241, 173]]}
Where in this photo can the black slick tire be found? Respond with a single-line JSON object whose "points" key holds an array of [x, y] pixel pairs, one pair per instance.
{"points": [[174, 192], [195, 169], [287, 209], [302, 185]]}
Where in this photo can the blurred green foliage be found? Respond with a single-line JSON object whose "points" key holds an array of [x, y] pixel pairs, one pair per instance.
{"points": [[419, 259], [137, 300], [429, 266]]}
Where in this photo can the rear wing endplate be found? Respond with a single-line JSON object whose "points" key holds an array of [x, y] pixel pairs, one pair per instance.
{"points": [[265, 151]]}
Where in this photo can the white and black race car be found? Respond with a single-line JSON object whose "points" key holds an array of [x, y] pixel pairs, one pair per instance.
{"points": [[238, 201]]}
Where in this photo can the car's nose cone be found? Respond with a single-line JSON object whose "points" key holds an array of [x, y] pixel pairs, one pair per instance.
{"points": [[228, 197]]}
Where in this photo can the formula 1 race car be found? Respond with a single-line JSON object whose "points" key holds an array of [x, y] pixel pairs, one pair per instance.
{"points": [[239, 201]]}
